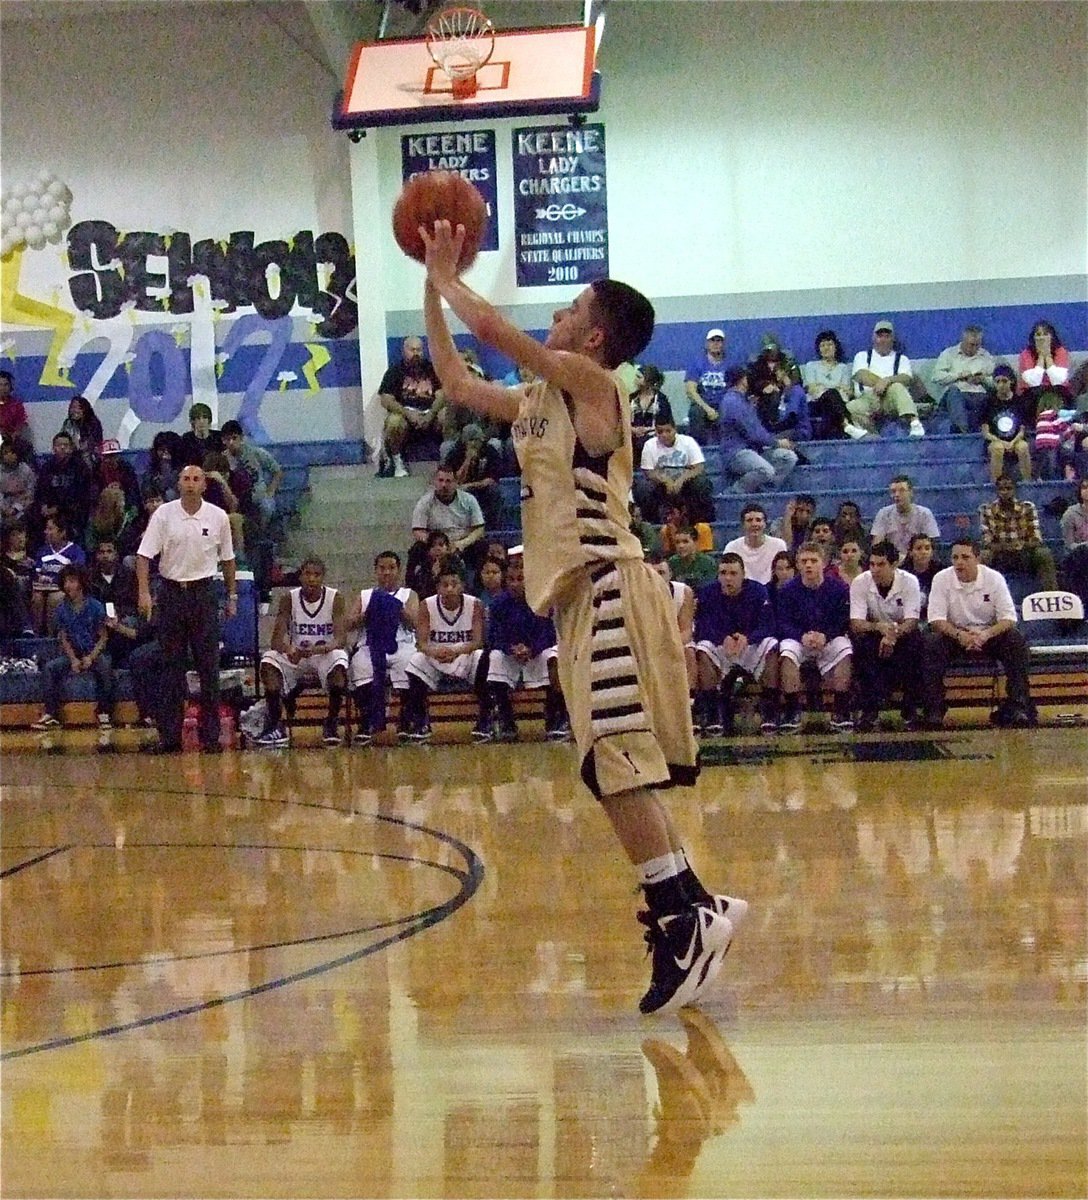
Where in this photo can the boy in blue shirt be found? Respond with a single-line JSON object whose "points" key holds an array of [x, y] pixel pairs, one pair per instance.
{"points": [[82, 632]]}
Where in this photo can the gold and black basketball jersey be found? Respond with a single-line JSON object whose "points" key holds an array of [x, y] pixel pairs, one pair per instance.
{"points": [[573, 505]]}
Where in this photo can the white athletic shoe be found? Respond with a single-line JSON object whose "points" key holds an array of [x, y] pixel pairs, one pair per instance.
{"points": [[855, 431], [917, 429], [400, 471]]}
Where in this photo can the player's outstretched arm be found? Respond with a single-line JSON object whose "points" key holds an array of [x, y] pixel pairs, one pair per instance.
{"points": [[572, 373]]}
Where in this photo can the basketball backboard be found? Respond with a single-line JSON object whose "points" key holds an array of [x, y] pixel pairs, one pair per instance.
{"points": [[544, 71]]}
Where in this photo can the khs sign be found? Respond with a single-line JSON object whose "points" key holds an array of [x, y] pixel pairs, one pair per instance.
{"points": [[1052, 604]]}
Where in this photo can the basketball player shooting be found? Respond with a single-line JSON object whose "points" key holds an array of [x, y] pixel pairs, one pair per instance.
{"points": [[621, 662]]}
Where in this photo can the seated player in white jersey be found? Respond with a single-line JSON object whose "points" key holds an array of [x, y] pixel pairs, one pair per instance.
{"points": [[385, 617], [734, 642], [521, 651], [621, 661], [683, 599], [307, 648], [449, 645]]}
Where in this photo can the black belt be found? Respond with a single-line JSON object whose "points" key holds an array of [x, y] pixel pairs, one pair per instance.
{"points": [[207, 581]]}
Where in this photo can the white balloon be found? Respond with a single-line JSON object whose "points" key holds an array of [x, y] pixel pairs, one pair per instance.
{"points": [[36, 240], [19, 190], [50, 228], [22, 219], [57, 213], [5, 245], [13, 204], [57, 234], [56, 188], [32, 231]]}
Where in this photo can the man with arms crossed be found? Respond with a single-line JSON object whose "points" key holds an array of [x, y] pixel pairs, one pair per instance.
{"points": [[621, 662]]}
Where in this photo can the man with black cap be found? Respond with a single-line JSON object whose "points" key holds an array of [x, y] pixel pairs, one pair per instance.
{"points": [[705, 386], [883, 376]]}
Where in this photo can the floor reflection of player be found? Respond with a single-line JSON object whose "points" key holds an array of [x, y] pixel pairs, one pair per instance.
{"points": [[621, 661], [699, 1094]]}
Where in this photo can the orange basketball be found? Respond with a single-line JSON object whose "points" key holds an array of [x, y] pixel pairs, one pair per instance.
{"points": [[439, 196]]}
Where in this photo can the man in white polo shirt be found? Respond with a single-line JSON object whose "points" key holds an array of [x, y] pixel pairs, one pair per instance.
{"points": [[756, 548], [192, 538], [972, 614], [884, 608]]}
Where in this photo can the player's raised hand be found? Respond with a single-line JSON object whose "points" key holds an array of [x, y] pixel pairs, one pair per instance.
{"points": [[443, 246]]}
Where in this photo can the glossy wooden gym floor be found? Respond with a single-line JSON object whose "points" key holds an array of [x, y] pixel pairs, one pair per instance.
{"points": [[414, 973]]}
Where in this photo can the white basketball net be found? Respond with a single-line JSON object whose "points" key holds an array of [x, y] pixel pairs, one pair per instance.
{"points": [[461, 40]]}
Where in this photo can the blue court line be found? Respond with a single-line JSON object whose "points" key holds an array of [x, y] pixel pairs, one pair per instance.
{"points": [[472, 877], [30, 862]]}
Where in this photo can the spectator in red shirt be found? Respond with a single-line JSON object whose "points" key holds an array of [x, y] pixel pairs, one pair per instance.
{"points": [[14, 424]]}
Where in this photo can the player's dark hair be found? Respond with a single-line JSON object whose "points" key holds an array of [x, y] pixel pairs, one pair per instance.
{"points": [[387, 554], [967, 540], [231, 428], [75, 571], [757, 508], [731, 556], [449, 566], [311, 560], [626, 317]]}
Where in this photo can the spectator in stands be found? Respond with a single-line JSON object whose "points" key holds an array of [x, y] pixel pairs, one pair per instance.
{"points": [[1005, 426], [424, 560], [822, 532], [16, 559], [705, 386], [82, 633], [683, 600], [477, 467], [65, 488], [649, 404], [14, 423], [449, 644], [14, 611], [308, 647], [412, 398], [113, 470], [972, 615], [964, 373], [165, 464], [522, 653], [885, 604], [782, 406], [151, 499], [113, 582], [828, 383], [678, 516], [217, 491], [848, 566], [17, 483], [813, 621], [796, 521], [202, 439], [453, 510], [923, 564], [743, 437], [849, 525], [772, 359], [883, 376], [1074, 525], [689, 564], [673, 467], [452, 418], [1060, 444], [84, 428], [255, 477], [756, 549], [111, 519], [385, 615], [1012, 539], [899, 521], [648, 534], [1044, 371], [734, 641], [58, 552]]}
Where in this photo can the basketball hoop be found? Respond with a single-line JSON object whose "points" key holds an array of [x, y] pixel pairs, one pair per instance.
{"points": [[461, 41]]}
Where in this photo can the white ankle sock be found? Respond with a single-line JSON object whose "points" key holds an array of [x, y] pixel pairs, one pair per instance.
{"points": [[657, 870]]}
